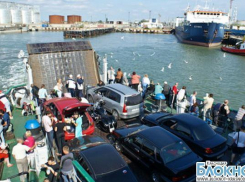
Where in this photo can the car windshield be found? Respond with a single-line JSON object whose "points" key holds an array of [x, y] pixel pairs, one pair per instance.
{"points": [[174, 151], [133, 100], [203, 132], [85, 142]]}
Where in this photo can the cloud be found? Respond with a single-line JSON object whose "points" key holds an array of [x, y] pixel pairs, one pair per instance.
{"points": [[110, 5]]}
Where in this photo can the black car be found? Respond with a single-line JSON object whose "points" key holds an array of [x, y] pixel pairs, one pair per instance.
{"points": [[200, 137], [163, 154], [101, 161]]}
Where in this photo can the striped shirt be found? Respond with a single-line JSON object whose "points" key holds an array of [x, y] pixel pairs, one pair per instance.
{"points": [[240, 114]]}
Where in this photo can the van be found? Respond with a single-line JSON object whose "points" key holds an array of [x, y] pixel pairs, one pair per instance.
{"points": [[120, 100]]}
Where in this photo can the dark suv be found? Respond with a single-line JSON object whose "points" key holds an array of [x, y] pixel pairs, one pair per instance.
{"points": [[165, 155]]}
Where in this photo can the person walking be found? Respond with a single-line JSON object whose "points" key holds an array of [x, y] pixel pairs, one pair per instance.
{"points": [[52, 169], [67, 169], [111, 75], [238, 146], [78, 123], [158, 89], [238, 122], [80, 81], [119, 76], [135, 80], [47, 122], [180, 100], [42, 95], [166, 91], [19, 154], [193, 99], [58, 88], [59, 129], [208, 104], [71, 85], [145, 84]]}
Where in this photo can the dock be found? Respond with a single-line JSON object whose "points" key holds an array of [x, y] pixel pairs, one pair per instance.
{"points": [[87, 33], [146, 30]]}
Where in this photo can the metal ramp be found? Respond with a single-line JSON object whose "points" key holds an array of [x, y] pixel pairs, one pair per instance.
{"points": [[51, 61]]}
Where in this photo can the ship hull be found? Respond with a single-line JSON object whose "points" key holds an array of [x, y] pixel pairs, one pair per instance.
{"points": [[240, 52], [201, 34]]}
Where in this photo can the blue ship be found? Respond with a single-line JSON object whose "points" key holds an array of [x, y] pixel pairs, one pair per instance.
{"points": [[202, 28]]}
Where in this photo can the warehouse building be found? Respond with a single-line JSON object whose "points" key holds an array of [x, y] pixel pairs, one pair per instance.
{"points": [[16, 13]]}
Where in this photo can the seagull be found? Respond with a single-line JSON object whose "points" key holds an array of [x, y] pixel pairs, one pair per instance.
{"points": [[116, 60], [153, 54], [122, 37], [220, 78], [190, 78], [111, 53], [185, 61], [138, 54], [224, 55], [73, 38], [111, 56], [133, 53], [170, 66], [162, 69]]}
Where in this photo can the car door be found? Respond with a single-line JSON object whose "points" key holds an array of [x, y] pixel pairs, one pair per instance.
{"points": [[132, 146], [148, 151], [184, 133], [113, 100]]}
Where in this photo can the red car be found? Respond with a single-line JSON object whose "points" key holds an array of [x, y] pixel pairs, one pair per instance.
{"points": [[66, 107]]}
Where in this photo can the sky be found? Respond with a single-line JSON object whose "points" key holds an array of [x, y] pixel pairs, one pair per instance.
{"points": [[119, 9]]}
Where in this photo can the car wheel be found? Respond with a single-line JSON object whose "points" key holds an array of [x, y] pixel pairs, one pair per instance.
{"points": [[118, 146], [116, 115], [90, 99], [155, 176]]}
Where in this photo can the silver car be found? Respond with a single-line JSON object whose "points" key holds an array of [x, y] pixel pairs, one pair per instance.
{"points": [[120, 100]]}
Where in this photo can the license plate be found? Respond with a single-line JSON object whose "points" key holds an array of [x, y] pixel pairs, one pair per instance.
{"points": [[220, 156], [135, 110]]}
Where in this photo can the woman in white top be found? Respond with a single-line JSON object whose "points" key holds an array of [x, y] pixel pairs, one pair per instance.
{"points": [[42, 94], [111, 75], [58, 88], [239, 140], [145, 84]]}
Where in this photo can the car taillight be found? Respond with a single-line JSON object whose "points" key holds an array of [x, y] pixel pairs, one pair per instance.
{"points": [[175, 179], [208, 150], [124, 108]]}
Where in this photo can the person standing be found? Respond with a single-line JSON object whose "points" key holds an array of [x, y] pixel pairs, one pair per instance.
{"points": [[30, 142], [119, 76], [58, 88], [78, 123], [193, 99], [5, 101], [166, 91], [67, 169], [59, 133], [224, 111], [80, 81], [42, 95], [47, 121], [71, 85], [208, 104], [239, 146], [174, 94], [145, 84], [34, 91], [135, 80], [4, 116], [19, 154], [181, 104], [125, 79], [158, 89], [111, 75], [239, 118]]}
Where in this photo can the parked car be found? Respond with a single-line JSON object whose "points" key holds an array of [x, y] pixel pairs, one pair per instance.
{"points": [[165, 155], [120, 100], [65, 107], [101, 161], [200, 137]]}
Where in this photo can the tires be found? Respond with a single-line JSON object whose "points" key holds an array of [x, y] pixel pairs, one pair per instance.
{"points": [[90, 99], [155, 176], [118, 146], [116, 115]]}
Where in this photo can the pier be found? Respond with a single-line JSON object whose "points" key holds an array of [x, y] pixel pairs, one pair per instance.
{"points": [[146, 30], [87, 33]]}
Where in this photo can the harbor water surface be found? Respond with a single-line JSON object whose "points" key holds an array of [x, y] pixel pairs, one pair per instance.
{"points": [[212, 71]]}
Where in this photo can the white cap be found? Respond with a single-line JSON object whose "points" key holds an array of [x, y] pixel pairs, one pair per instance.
{"points": [[165, 82], [70, 76], [78, 75]]}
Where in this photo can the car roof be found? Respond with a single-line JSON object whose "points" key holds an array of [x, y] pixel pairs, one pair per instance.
{"points": [[103, 159], [125, 90], [159, 136], [63, 102], [156, 116], [189, 120]]}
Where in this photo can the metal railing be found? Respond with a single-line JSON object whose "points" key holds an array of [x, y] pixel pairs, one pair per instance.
{"points": [[82, 171]]}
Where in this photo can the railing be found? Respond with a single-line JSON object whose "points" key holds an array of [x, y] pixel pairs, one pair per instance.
{"points": [[9, 90], [82, 171]]}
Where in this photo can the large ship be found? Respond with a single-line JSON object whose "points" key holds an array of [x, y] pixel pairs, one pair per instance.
{"points": [[201, 27]]}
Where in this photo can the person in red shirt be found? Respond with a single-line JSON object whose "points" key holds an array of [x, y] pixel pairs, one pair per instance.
{"points": [[175, 92], [135, 81], [5, 156], [30, 140]]}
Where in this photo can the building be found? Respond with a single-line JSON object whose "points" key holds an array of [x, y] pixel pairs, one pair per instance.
{"points": [[71, 19], [152, 23], [56, 19], [16, 13]]}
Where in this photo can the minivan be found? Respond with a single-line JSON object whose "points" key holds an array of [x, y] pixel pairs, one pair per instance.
{"points": [[120, 100]]}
